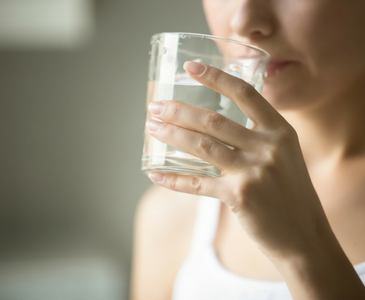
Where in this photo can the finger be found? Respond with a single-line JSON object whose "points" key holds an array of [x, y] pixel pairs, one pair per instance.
{"points": [[238, 90], [196, 144], [196, 185], [205, 121]]}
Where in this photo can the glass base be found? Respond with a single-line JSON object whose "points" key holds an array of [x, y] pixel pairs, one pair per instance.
{"points": [[179, 166]]}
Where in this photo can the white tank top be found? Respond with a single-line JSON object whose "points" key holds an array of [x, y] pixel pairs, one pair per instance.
{"points": [[203, 277]]}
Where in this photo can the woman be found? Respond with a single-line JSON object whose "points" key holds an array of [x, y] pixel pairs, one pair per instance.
{"points": [[292, 219]]}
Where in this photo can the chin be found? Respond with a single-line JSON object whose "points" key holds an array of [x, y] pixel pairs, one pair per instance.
{"points": [[290, 89], [284, 98]]}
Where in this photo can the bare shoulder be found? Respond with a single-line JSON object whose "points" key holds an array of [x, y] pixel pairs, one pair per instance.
{"points": [[164, 224], [166, 207]]}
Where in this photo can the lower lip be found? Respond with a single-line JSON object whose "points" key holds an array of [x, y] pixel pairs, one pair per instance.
{"points": [[276, 68]]}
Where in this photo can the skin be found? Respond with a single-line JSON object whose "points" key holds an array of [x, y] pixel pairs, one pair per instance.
{"points": [[318, 36], [296, 178]]}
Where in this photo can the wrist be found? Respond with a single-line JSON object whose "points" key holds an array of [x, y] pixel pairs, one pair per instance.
{"points": [[311, 258], [321, 270], [322, 247], [311, 244]]}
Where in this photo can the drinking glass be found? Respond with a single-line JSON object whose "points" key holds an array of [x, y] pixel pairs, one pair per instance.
{"points": [[167, 80]]}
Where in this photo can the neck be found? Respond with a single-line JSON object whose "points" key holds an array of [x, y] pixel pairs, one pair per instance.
{"points": [[332, 133]]}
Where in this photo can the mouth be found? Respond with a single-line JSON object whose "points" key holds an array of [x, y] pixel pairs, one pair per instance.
{"points": [[275, 67]]}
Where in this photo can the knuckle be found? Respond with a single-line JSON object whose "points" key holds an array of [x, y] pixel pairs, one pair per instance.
{"points": [[196, 185], [273, 155], [241, 198], [243, 190], [239, 191], [206, 144], [215, 75], [258, 175], [169, 130], [287, 135], [213, 121], [245, 90], [174, 109], [172, 182]]}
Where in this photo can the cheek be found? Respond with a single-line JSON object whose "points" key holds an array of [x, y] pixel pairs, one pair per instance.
{"points": [[329, 49], [328, 38], [329, 45], [218, 15]]}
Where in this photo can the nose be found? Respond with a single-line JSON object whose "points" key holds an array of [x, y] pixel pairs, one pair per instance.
{"points": [[253, 19]]}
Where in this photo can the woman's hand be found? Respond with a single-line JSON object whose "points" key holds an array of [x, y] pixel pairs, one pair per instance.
{"points": [[264, 179]]}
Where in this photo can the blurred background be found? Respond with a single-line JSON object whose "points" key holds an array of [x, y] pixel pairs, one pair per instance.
{"points": [[72, 106]]}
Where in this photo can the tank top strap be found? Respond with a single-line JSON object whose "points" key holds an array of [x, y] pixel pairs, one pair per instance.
{"points": [[206, 223]]}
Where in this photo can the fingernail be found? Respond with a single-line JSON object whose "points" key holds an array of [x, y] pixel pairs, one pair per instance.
{"points": [[194, 68], [154, 125], [156, 177], [156, 107]]}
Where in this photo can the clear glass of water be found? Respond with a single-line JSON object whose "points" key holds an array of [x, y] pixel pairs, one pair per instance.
{"points": [[167, 80]]}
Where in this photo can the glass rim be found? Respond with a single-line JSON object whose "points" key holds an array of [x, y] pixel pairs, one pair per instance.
{"points": [[264, 52]]}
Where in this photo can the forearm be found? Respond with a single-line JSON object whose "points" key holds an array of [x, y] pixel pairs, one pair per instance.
{"points": [[322, 272]]}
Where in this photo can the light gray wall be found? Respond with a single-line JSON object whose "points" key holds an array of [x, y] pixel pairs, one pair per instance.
{"points": [[71, 128]]}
